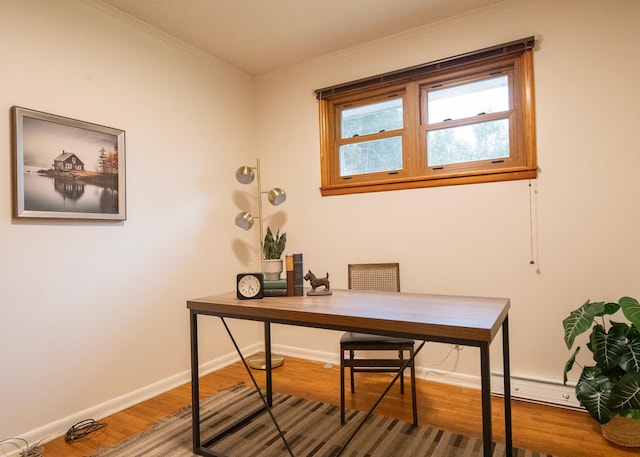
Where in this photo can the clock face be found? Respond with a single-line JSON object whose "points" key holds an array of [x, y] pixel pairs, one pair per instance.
{"points": [[250, 285]]}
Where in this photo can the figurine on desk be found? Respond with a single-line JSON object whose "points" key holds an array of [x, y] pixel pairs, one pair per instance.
{"points": [[317, 282]]}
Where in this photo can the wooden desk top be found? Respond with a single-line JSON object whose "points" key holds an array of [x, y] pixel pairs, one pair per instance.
{"points": [[419, 316]]}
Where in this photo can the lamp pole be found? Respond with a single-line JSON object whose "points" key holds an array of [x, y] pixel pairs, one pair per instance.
{"points": [[260, 206]]}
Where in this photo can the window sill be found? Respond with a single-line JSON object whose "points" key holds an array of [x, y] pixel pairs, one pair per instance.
{"points": [[357, 188]]}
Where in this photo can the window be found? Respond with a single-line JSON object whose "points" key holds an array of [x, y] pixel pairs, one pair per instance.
{"points": [[461, 120], [371, 137]]}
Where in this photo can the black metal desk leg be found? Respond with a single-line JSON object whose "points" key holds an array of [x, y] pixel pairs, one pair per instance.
{"points": [[195, 384], [507, 387], [267, 361], [485, 373]]}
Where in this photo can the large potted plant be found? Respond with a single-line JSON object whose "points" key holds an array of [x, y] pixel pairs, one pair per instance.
{"points": [[272, 249], [610, 388]]}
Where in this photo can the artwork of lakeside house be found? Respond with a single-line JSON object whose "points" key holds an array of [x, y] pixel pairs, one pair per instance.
{"points": [[68, 169]]}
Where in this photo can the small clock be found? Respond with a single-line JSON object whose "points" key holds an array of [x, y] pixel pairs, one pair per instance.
{"points": [[250, 285]]}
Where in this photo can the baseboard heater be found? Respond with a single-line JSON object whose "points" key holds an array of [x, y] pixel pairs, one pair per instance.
{"points": [[537, 391]]}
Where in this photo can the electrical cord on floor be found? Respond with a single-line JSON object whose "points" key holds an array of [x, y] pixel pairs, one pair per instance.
{"points": [[35, 450], [83, 429], [26, 450]]}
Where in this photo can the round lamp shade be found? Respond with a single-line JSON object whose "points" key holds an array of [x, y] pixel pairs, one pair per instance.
{"points": [[245, 175], [244, 220], [277, 196]]}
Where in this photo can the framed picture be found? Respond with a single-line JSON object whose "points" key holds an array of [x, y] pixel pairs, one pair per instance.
{"points": [[66, 169]]}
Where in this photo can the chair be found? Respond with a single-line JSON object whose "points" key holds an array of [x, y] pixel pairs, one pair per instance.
{"points": [[375, 277]]}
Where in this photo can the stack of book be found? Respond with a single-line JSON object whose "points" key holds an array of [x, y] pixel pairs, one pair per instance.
{"points": [[275, 288]]}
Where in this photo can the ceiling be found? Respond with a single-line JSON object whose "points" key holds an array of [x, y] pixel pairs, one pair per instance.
{"points": [[258, 36]]}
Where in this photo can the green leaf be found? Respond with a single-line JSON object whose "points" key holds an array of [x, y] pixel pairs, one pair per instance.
{"points": [[609, 308], [626, 393], [594, 396], [630, 413], [578, 322], [267, 247], [621, 328], [273, 247], [631, 310], [590, 374], [630, 358], [608, 347], [599, 308], [569, 365], [281, 241]]}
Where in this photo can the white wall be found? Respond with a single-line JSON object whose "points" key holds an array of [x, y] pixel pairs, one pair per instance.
{"points": [[91, 312], [475, 239], [122, 329]]}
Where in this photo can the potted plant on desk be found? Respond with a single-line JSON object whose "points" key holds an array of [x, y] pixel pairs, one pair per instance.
{"points": [[272, 249], [610, 389]]}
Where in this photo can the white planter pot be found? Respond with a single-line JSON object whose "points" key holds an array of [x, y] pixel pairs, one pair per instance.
{"points": [[272, 269]]}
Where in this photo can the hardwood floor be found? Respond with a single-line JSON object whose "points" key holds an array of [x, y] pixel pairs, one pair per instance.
{"points": [[556, 431]]}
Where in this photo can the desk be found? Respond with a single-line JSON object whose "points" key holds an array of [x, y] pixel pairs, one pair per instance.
{"points": [[468, 321]]}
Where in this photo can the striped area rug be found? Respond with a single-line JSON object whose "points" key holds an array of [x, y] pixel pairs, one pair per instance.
{"points": [[311, 428]]}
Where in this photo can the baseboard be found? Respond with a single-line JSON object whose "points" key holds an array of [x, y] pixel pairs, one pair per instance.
{"points": [[527, 389], [523, 388], [307, 354], [59, 427]]}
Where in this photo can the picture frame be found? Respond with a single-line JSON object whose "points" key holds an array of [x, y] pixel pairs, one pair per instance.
{"points": [[65, 168]]}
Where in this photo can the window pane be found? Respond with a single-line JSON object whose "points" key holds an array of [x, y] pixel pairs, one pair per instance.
{"points": [[487, 140], [371, 156], [468, 100], [372, 118]]}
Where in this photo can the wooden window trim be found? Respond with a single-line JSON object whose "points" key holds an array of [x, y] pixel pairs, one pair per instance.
{"points": [[412, 82]]}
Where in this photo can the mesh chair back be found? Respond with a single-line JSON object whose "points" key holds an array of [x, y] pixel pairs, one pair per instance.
{"points": [[375, 276]]}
